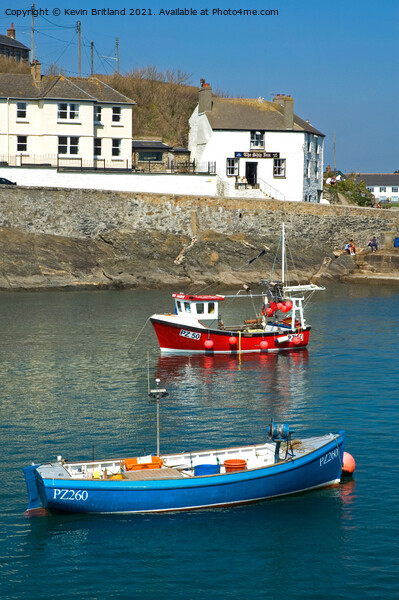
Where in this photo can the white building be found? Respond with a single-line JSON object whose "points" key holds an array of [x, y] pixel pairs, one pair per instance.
{"points": [[384, 186], [256, 147], [62, 121]]}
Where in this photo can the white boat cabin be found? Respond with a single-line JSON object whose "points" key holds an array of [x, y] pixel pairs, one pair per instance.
{"points": [[197, 307]]}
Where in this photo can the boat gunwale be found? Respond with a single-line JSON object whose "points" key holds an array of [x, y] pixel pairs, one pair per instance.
{"points": [[290, 464]]}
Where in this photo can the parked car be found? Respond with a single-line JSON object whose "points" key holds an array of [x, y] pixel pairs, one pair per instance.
{"points": [[5, 181]]}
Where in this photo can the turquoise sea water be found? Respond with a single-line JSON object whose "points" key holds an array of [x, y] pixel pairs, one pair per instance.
{"points": [[74, 379]]}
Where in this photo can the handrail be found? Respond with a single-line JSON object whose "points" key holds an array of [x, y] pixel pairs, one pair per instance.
{"points": [[274, 193]]}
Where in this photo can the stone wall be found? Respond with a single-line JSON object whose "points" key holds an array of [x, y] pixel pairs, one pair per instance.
{"points": [[73, 237], [89, 213]]}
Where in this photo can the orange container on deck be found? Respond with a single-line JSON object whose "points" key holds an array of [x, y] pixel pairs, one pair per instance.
{"points": [[235, 464], [133, 464]]}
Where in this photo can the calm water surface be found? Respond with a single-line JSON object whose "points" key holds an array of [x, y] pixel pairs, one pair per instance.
{"points": [[74, 379]]}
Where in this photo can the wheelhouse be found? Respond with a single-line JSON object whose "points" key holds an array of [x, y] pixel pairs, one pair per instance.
{"points": [[197, 307]]}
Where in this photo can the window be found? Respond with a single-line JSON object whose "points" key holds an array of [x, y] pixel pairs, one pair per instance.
{"points": [[69, 112], [152, 156], [200, 308], [187, 307], [22, 144], [21, 110], [211, 308], [116, 147], [68, 145], [257, 139], [279, 167], [178, 303], [316, 145], [395, 189], [307, 169], [97, 147], [232, 167], [370, 189], [383, 188], [97, 114], [116, 114]]}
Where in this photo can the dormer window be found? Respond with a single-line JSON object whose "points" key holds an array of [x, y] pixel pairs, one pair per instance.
{"points": [[257, 139]]}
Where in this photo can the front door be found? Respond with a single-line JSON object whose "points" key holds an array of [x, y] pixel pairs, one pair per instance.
{"points": [[251, 173]]}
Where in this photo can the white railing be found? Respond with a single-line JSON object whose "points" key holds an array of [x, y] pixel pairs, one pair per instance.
{"points": [[269, 190]]}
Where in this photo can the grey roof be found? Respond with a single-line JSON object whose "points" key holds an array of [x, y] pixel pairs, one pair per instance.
{"points": [[377, 179], [59, 87], [149, 145], [252, 114], [9, 41]]}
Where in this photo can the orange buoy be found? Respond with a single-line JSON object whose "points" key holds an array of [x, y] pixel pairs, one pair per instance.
{"points": [[264, 344], [348, 464], [208, 344], [232, 340]]}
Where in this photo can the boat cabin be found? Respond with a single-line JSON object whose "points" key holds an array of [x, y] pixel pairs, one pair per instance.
{"points": [[197, 307]]}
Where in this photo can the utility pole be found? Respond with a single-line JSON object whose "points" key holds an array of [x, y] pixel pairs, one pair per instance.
{"points": [[92, 48], [32, 54], [335, 166], [117, 55], [78, 28]]}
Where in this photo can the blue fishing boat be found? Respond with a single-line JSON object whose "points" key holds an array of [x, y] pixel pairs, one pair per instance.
{"points": [[279, 466]]}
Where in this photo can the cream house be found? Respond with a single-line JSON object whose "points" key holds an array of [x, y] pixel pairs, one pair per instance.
{"points": [[63, 121], [257, 148]]}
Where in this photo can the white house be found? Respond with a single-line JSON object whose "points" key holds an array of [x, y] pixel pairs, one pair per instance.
{"points": [[384, 186], [63, 121], [256, 147]]}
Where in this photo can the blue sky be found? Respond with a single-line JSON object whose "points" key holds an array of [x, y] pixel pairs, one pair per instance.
{"points": [[339, 60]]}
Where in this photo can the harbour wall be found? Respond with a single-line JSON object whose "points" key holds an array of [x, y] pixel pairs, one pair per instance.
{"points": [[53, 237]]}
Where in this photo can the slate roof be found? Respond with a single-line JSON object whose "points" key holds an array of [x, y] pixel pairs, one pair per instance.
{"points": [[59, 87], [252, 114], [377, 179], [10, 42], [149, 145]]}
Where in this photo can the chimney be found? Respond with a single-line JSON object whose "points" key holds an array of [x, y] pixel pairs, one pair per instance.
{"points": [[204, 97], [11, 32], [287, 104], [36, 71]]}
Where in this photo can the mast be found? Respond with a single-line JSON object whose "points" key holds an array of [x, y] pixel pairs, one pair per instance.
{"points": [[283, 256]]}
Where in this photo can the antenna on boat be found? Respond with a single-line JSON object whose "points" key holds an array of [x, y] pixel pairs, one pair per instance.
{"points": [[283, 256], [155, 396]]}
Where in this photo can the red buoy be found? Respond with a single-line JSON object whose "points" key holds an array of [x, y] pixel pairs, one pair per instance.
{"points": [[348, 464], [269, 311], [285, 309], [288, 304], [232, 340], [264, 345], [280, 305], [296, 340], [208, 344]]}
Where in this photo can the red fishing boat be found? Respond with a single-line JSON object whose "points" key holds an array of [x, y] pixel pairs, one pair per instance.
{"points": [[278, 324]]}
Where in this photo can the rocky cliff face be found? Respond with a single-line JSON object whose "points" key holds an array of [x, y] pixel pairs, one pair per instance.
{"points": [[77, 238]]}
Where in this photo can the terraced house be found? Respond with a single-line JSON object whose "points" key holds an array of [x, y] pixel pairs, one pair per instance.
{"points": [[63, 121], [258, 148]]}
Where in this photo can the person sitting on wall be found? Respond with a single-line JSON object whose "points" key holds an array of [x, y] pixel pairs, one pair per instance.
{"points": [[350, 247], [373, 244]]}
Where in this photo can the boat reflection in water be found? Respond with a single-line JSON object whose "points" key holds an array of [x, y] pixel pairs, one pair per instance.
{"points": [[276, 381]]}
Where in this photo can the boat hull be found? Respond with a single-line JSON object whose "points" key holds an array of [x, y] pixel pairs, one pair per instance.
{"points": [[183, 338], [319, 468]]}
